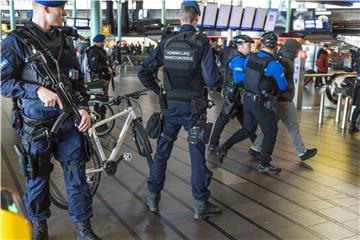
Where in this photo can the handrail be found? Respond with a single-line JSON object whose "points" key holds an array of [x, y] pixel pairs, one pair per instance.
{"points": [[336, 74]]}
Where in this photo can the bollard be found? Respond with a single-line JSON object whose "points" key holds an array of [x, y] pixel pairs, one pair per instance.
{"points": [[345, 112], [351, 111], [338, 108], [322, 106]]}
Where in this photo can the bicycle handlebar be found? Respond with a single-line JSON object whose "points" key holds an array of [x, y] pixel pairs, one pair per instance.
{"points": [[117, 100]]}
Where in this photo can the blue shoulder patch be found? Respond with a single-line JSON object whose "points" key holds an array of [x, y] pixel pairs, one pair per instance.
{"points": [[4, 63]]}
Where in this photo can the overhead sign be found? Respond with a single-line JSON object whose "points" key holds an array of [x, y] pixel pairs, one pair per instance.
{"points": [[106, 30]]}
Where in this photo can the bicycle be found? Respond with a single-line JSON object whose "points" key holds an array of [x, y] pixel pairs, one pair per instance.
{"points": [[96, 91], [99, 162]]}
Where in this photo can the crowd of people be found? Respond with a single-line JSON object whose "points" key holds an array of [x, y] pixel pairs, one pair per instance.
{"points": [[258, 91]]}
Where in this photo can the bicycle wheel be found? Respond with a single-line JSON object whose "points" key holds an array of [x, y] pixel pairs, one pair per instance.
{"points": [[142, 141], [57, 189], [106, 128], [136, 106]]}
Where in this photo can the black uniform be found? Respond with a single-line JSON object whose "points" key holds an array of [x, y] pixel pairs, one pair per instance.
{"points": [[232, 106], [263, 76], [98, 62]]}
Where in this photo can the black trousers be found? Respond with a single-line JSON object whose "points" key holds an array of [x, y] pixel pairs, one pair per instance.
{"points": [[256, 113], [221, 122]]}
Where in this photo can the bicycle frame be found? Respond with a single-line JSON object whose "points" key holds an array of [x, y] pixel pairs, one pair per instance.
{"points": [[92, 132]]}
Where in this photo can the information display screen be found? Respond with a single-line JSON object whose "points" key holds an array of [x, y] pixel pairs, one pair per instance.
{"points": [[202, 11], [248, 18], [210, 15], [299, 17], [235, 19], [260, 17], [317, 24], [271, 20], [82, 23], [223, 16]]}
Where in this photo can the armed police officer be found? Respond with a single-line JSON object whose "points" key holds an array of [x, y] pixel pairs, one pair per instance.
{"points": [[99, 63], [189, 65], [232, 106], [101, 71], [285, 108], [263, 77], [41, 106]]}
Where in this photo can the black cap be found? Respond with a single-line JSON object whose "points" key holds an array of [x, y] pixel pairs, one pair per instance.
{"points": [[291, 45]]}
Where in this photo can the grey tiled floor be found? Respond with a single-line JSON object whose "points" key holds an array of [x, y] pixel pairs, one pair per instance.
{"points": [[316, 200]]}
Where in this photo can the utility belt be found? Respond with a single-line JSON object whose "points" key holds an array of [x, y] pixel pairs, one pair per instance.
{"points": [[34, 130], [269, 101], [258, 97]]}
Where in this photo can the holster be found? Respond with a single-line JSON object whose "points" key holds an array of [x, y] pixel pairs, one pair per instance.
{"points": [[228, 106], [198, 105], [270, 103]]}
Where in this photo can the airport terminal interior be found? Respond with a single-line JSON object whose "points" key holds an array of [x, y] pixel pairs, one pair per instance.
{"points": [[315, 198]]}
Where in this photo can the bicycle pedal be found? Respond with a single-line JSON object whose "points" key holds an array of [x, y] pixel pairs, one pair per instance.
{"points": [[127, 156]]}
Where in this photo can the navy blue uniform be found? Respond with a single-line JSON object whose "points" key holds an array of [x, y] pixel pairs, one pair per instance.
{"points": [[176, 115], [254, 111], [66, 145]]}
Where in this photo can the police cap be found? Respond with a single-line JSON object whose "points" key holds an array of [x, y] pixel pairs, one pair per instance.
{"points": [[240, 39], [192, 3], [269, 39], [99, 38], [51, 3]]}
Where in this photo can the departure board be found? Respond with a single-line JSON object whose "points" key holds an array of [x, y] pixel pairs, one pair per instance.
{"points": [[202, 11], [235, 19], [248, 18], [210, 15], [223, 16], [260, 19], [271, 20]]}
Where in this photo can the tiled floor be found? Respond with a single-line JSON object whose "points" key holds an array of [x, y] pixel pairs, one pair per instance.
{"points": [[318, 199]]}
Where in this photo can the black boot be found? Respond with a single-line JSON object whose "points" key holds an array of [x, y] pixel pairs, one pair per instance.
{"points": [[152, 201], [213, 148], [84, 231], [39, 230], [222, 153], [205, 209]]}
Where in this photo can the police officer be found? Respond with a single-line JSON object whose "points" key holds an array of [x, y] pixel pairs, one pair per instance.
{"points": [[100, 69], [285, 108], [262, 77], [232, 106], [99, 63], [40, 108], [356, 98], [189, 65]]}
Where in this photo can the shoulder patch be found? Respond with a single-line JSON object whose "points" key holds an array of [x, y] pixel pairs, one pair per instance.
{"points": [[4, 63]]}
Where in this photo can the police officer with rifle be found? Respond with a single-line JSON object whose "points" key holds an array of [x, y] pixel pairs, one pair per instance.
{"points": [[232, 106], [189, 65], [54, 114], [263, 79]]}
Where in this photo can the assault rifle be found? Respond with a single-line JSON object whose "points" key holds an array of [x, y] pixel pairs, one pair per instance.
{"points": [[69, 110]]}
